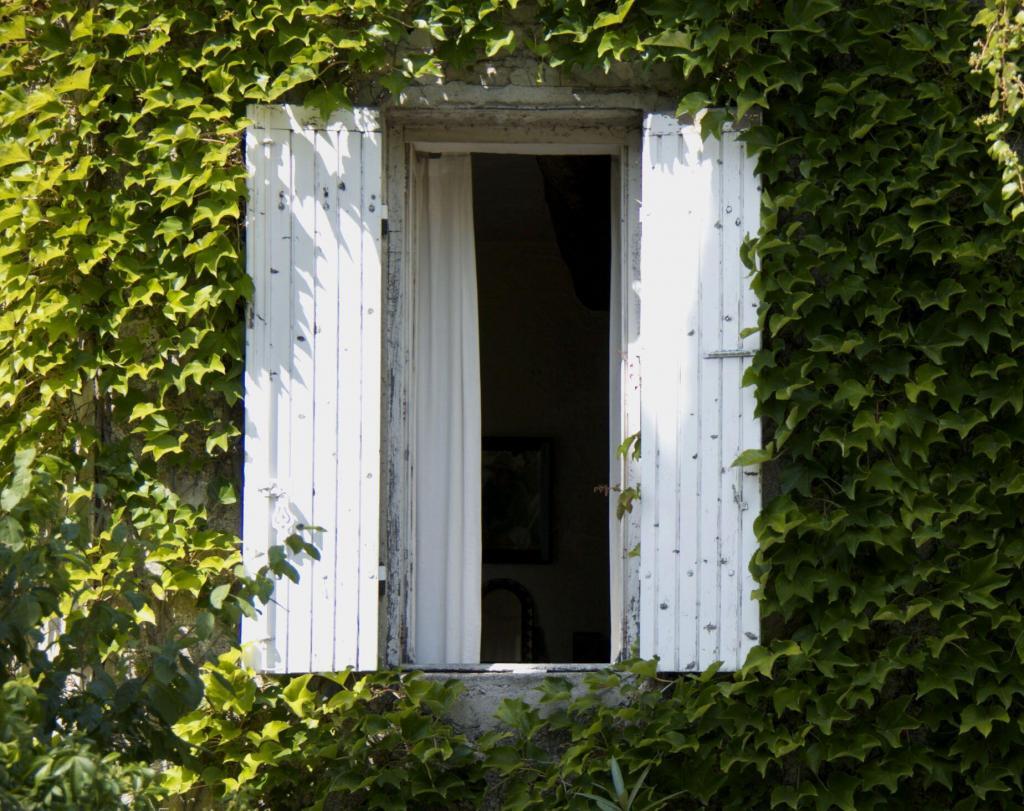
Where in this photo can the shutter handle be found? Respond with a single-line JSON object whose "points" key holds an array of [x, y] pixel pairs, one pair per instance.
{"points": [[718, 354], [282, 519]]}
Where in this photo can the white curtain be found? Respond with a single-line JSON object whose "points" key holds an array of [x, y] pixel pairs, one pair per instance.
{"points": [[446, 401]]}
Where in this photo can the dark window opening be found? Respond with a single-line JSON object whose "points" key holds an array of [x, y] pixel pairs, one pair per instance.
{"points": [[543, 236]]}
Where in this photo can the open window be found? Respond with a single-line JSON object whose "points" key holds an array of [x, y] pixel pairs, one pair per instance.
{"points": [[441, 427], [510, 258]]}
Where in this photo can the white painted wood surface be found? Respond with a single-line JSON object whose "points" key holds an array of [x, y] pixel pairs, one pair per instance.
{"points": [[312, 384], [700, 199]]}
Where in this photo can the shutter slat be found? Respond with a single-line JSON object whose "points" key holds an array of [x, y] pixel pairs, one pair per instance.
{"points": [[695, 548], [255, 510], [350, 275], [657, 397], [311, 396], [663, 377], [303, 382], [279, 321], [732, 372], [690, 216], [369, 519], [325, 399], [750, 423], [709, 384]]}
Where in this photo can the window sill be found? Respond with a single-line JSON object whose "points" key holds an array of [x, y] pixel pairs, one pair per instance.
{"points": [[485, 687], [532, 669]]}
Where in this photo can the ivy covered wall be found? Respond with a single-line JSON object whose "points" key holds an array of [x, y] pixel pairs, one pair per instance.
{"points": [[890, 386]]}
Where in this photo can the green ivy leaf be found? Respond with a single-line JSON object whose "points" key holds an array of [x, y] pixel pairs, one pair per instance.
{"points": [[21, 483], [692, 103], [753, 456], [298, 696], [981, 718], [218, 595], [79, 80], [498, 44], [327, 99], [610, 18]]}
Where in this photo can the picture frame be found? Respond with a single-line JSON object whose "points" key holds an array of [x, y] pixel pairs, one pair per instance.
{"points": [[516, 484]]}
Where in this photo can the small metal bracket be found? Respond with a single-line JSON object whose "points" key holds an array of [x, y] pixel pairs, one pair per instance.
{"points": [[282, 519], [729, 353], [272, 490]]}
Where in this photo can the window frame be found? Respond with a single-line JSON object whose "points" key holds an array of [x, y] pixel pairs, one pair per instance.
{"points": [[614, 131]]}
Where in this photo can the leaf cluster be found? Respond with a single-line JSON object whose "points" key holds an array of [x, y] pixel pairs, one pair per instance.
{"points": [[889, 268], [376, 741]]}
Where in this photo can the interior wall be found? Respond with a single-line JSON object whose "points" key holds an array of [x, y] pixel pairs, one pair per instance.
{"points": [[544, 366]]}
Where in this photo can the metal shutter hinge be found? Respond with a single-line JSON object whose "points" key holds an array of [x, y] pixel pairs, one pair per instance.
{"points": [[729, 353]]}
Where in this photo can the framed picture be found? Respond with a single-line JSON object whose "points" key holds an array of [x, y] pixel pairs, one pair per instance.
{"points": [[516, 500]]}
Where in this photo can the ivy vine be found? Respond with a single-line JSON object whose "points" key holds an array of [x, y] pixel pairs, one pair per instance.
{"points": [[890, 386]]}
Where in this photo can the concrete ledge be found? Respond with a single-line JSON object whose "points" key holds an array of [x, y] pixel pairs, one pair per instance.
{"points": [[474, 711]]}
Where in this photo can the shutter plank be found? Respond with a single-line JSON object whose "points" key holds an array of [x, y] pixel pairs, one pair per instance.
{"points": [[661, 375], [709, 383], [750, 424], [347, 573], [656, 633], [302, 394], [256, 511], [688, 220], [325, 400], [279, 361], [370, 400], [731, 485]]}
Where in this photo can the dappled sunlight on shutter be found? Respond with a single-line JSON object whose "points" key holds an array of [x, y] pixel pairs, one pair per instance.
{"points": [[312, 386], [700, 198]]}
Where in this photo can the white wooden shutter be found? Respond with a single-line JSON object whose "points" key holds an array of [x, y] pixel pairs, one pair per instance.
{"points": [[700, 198], [312, 384]]}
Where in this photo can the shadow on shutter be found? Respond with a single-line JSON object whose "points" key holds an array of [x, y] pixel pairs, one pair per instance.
{"points": [[312, 385]]}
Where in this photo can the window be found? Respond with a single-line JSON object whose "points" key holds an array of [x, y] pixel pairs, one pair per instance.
{"points": [[509, 259], [334, 438]]}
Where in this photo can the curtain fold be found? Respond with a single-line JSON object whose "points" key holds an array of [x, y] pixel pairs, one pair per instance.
{"points": [[446, 401]]}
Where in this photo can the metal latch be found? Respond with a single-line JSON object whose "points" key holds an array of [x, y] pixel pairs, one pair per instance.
{"points": [[272, 490], [729, 353], [282, 518]]}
